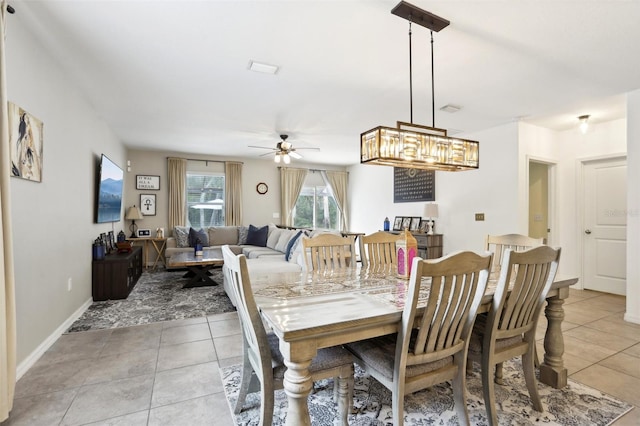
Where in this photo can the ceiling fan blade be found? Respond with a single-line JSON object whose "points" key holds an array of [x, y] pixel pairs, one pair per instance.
{"points": [[264, 155], [314, 148], [261, 147], [295, 155]]}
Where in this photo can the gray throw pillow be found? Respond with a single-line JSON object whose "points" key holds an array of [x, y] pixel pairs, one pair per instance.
{"points": [[243, 231], [181, 234]]}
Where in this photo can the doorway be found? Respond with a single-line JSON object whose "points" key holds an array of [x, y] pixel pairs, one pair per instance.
{"points": [[604, 227]]}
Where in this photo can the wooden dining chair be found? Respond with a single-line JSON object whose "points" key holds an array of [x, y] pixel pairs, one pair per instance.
{"points": [[378, 250], [326, 252], [261, 353], [509, 328], [497, 244], [434, 348]]}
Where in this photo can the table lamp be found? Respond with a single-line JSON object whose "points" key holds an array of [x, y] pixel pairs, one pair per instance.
{"points": [[133, 214], [431, 212]]}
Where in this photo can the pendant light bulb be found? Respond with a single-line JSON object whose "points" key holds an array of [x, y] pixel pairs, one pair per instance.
{"points": [[277, 158], [286, 159], [584, 123]]}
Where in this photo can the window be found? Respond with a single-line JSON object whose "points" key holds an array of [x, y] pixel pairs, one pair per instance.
{"points": [[205, 199], [316, 208]]}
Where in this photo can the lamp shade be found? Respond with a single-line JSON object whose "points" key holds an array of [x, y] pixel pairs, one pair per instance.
{"points": [[133, 213], [431, 210]]}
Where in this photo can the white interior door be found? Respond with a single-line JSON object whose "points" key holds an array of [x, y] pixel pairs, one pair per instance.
{"points": [[605, 226]]}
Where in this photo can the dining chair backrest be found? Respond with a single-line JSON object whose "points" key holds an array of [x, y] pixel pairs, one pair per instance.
{"points": [[497, 244], [378, 250], [458, 283], [525, 280], [255, 336], [326, 252]]}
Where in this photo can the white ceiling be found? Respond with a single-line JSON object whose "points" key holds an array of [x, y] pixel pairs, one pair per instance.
{"points": [[173, 75]]}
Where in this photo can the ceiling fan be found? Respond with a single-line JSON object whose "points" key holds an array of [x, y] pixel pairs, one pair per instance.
{"points": [[283, 151]]}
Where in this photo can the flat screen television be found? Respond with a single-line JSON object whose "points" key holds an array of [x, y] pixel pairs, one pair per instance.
{"points": [[109, 199]]}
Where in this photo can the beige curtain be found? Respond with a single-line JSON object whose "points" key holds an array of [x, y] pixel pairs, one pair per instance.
{"points": [[177, 172], [233, 193], [291, 182], [338, 181], [7, 285]]}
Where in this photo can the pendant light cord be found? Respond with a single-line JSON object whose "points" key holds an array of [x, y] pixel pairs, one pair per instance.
{"points": [[433, 101], [410, 79]]}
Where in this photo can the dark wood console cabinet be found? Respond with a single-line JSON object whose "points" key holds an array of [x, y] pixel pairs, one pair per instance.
{"points": [[115, 276], [429, 246]]}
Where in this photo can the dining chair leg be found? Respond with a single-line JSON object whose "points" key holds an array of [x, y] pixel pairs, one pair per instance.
{"points": [[488, 389], [247, 372], [459, 384], [345, 394], [530, 379], [266, 402], [397, 406]]}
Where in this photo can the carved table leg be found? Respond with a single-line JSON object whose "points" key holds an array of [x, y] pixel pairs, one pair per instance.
{"points": [[552, 370], [297, 385]]}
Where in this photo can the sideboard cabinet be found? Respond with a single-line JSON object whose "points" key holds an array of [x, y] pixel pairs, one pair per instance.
{"points": [[429, 246], [115, 276]]}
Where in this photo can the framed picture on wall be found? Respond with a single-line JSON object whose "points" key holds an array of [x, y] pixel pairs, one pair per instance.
{"points": [[397, 223], [147, 182], [148, 204]]}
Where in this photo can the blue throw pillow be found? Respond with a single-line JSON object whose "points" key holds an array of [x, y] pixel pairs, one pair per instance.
{"points": [[198, 235], [257, 236], [288, 251]]}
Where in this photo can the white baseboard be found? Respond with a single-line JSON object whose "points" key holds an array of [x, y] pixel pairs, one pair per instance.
{"points": [[34, 356], [631, 318]]}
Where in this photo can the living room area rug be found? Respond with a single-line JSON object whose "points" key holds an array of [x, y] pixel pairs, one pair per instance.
{"points": [[576, 404], [158, 296]]}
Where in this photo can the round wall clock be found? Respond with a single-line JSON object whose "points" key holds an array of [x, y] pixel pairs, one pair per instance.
{"points": [[262, 188]]}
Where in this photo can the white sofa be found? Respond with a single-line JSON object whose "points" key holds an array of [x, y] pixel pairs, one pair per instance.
{"points": [[260, 260]]}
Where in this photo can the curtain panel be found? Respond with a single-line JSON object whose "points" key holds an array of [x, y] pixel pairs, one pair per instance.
{"points": [[291, 182], [338, 182], [177, 173], [8, 351], [233, 193]]}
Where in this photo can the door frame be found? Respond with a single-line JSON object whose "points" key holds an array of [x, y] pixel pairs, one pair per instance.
{"points": [[581, 163], [552, 220]]}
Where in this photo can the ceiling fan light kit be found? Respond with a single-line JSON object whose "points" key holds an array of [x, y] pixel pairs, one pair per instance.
{"points": [[283, 151], [415, 146]]}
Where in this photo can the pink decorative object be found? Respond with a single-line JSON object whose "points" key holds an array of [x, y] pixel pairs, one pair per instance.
{"points": [[406, 250]]}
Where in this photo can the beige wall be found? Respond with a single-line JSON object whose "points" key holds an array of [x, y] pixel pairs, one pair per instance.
{"points": [[257, 209]]}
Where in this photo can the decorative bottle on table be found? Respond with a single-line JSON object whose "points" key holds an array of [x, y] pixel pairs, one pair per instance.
{"points": [[198, 248], [406, 250], [387, 224]]}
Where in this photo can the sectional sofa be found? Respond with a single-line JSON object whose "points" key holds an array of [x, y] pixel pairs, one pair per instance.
{"points": [[267, 250]]}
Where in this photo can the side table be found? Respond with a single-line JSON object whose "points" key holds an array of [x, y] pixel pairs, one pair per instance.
{"points": [[152, 249]]}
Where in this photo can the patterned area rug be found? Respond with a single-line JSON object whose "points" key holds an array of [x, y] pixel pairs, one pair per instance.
{"points": [[576, 404], [158, 296]]}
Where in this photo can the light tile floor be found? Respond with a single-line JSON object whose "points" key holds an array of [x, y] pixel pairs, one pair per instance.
{"points": [[167, 373]]}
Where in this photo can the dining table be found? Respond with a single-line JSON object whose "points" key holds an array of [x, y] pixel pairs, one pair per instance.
{"points": [[309, 311]]}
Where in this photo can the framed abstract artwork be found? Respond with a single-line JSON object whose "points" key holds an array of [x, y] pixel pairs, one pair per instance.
{"points": [[26, 141]]}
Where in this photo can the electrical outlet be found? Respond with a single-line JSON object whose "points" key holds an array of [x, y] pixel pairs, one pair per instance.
{"points": [[69, 284], [479, 217]]}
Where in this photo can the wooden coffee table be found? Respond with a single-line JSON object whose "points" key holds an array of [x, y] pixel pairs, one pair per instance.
{"points": [[198, 266]]}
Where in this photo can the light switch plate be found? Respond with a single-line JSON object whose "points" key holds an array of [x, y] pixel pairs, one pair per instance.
{"points": [[479, 217]]}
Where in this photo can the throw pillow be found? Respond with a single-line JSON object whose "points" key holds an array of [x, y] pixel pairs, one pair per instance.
{"points": [[285, 237], [181, 234], [198, 235], [288, 254], [257, 236], [242, 234], [273, 236]]}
